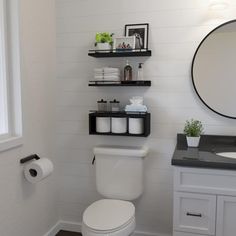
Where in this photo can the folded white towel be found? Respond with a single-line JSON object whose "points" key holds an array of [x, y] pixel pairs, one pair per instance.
{"points": [[136, 108], [107, 76], [116, 78], [107, 73], [98, 77], [110, 70], [98, 70], [111, 74]]}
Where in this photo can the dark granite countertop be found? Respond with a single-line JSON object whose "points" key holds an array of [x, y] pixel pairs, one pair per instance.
{"points": [[205, 155]]}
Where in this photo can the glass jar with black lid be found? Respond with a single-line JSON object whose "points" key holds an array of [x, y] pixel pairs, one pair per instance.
{"points": [[102, 105], [114, 105]]}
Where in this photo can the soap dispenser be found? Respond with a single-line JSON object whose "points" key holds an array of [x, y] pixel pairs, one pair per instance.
{"points": [[140, 71], [127, 72]]}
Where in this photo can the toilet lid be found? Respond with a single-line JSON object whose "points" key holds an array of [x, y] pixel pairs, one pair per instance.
{"points": [[108, 214]]}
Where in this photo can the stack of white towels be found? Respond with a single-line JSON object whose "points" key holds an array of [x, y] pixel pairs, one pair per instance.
{"points": [[136, 105], [107, 73]]}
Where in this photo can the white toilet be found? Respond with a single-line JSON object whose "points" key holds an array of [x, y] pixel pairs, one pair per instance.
{"points": [[119, 178]]}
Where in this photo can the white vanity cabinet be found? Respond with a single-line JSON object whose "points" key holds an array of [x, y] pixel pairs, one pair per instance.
{"points": [[226, 216], [204, 202]]}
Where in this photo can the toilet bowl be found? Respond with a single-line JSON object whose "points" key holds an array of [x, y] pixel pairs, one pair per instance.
{"points": [[109, 217], [119, 178]]}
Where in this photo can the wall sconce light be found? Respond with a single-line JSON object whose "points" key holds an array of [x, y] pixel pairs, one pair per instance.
{"points": [[218, 4]]}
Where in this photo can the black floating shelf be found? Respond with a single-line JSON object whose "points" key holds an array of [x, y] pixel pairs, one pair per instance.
{"points": [[144, 83], [145, 115], [95, 53]]}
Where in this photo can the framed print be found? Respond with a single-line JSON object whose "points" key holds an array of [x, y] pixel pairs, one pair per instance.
{"points": [[140, 31], [124, 44]]}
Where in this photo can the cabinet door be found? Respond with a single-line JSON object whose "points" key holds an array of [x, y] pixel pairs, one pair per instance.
{"points": [[194, 213], [176, 233], [226, 216]]}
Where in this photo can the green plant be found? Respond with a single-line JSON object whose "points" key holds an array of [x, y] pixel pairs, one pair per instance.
{"points": [[104, 38], [193, 128]]}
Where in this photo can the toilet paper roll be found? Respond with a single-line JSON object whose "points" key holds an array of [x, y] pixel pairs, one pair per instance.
{"points": [[103, 124], [38, 170], [136, 126], [118, 125]]}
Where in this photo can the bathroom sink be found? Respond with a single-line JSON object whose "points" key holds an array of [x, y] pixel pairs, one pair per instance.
{"points": [[227, 154]]}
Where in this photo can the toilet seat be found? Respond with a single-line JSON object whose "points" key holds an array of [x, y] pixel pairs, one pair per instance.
{"points": [[108, 215], [124, 230]]}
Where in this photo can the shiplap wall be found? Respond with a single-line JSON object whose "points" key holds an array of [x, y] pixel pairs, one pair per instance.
{"points": [[176, 28], [30, 209]]}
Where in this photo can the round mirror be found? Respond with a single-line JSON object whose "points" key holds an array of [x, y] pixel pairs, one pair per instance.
{"points": [[214, 70]]}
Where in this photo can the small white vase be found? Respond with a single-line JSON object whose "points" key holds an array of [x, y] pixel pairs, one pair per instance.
{"points": [[193, 141], [103, 47]]}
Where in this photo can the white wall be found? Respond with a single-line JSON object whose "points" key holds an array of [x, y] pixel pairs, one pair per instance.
{"points": [[26, 209], [176, 28]]}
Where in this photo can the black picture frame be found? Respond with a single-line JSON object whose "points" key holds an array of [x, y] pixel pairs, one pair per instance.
{"points": [[141, 32]]}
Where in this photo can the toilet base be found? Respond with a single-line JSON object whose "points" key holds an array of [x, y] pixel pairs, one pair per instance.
{"points": [[124, 231]]}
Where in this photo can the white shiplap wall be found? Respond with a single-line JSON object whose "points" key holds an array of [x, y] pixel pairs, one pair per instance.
{"points": [[176, 28], [30, 209]]}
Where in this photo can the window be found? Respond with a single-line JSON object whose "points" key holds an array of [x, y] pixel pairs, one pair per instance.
{"points": [[4, 129], [10, 105]]}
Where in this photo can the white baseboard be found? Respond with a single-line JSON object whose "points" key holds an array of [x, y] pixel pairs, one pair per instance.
{"points": [[54, 230], [64, 225], [76, 227], [141, 233], [70, 226]]}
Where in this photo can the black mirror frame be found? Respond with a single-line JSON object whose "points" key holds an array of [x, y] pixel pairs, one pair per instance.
{"points": [[194, 57]]}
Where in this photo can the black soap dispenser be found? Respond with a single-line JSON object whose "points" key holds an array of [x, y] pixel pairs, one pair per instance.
{"points": [[127, 72]]}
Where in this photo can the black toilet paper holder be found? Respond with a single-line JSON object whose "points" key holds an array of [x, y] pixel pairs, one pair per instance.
{"points": [[29, 158]]}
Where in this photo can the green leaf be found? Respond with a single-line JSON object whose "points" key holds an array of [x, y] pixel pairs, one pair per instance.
{"points": [[104, 37], [193, 128]]}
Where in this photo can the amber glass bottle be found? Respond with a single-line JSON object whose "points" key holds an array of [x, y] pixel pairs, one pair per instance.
{"points": [[127, 72]]}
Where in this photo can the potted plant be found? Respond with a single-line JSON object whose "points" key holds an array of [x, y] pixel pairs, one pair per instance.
{"points": [[103, 41], [193, 130]]}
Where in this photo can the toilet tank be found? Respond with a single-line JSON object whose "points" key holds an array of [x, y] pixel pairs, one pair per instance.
{"points": [[119, 171]]}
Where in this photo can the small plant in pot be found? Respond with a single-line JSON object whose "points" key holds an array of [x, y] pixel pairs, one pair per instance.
{"points": [[103, 41], [193, 130]]}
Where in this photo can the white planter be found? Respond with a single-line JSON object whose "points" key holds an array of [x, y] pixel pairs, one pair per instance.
{"points": [[193, 141], [105, 47]]}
